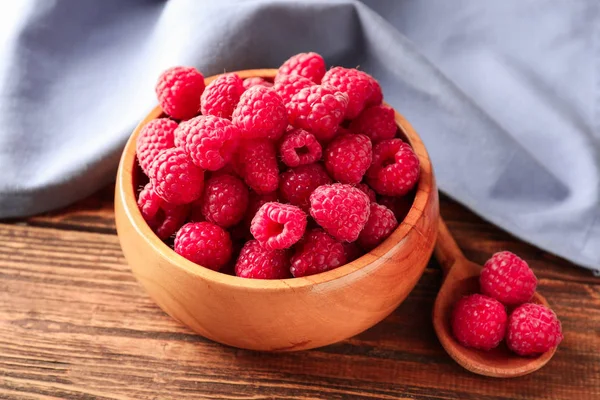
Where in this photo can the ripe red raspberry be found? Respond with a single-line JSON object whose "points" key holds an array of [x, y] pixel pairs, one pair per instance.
{"points": [[260, 114], [288, 85], [376, 97], [205, 244], [508, 279], [225, 200], [357, 85], [395, 168], [256, 81], [297, 184], [400, 206], [299, 147], [318, 109], [222, 95], [342, 210], [256, 162], [352, 251], [155, 136], [255, 202], [363, 187], [258, 262], [163, 218], [209, 141], [377, 122], [175, 178], [479, 322], [380, 225], [348, 157], [179, 90], [308, 65], [317, 252], [278, 226], [533, 329]]}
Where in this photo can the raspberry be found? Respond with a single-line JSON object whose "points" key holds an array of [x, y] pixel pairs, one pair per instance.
{"points": [[308, 65], [155, 136], [318, 109], [363, 187], [342, 210], [479, 322], [352, 251], [257, 262], [376, 97], [163, 218], [257, 164], [288, 85], [175, 178], [225, 200], [256, 81], [255, 202], [380, 225], [377, 122], [205, 244], [297, 184], [299, 147], [357, 85], [260, 114], [278, 226], [222, 95], [395, 168], [179, 90], [508, 279], [317, 252], [209, 141], [348, 157], [533, 329], [400, 206]]}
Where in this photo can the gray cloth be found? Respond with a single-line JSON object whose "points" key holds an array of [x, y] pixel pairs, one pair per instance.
{"points": [[506, 94]]}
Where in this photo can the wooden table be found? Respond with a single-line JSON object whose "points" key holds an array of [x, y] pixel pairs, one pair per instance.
{"points": [[75, 324]]}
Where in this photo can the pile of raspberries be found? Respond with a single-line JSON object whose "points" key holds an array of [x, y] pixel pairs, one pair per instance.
{"points": [[274, 180], [480, 321]]}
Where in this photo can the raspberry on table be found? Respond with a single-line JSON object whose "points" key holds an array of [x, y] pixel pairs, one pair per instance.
{"points": [[363, 187], [258, 262], [318, 109], [380, 225], [400, 206], [155, 136], [163, 218], [278, 226], [297, 184], [357, 85], [205, 244], [175, 178], [260, 113], [533, 329], [342, 210], [178, 90], [256, 162], [255, 201], [377, 122], [222, 95], [299, 147], [507, 278], [479, 322], [225, 200], [309, 65], [288, 85], [256, 81], [317, 252], [395, 168], [209, 141], [348, 157]]}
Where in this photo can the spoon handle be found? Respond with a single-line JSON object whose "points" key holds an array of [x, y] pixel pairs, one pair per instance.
{"points": [[447, 251]]}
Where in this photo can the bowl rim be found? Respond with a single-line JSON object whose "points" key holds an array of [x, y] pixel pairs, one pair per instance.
{"points": [[134, 216]]}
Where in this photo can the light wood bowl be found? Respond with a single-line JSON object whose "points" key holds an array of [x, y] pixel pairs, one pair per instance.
{"points": [[280, 315]]}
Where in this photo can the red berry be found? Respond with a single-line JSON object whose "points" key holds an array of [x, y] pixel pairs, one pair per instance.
{"points": [[257, 163], [205, 244], [255, 202], [175, 178], [163, 218], [225, 200], [342, 210], [348, 157], [380, 225], [179, 90], [352, 251], [260, 113], [288, 85], [363, 187], [357, 85], [155, 136], [508, 279], [278, 226], [308, 65], [258, 262], [297, 184], [479, 322], [377, 122], [317, 252], [256, 81], [376, 97], [395, 168], [400, 206], [533, 329], [299, 147], [222, 95], [318, 109]]}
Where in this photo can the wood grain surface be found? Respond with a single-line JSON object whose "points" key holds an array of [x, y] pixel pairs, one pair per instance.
{"points": [[74, 324]]}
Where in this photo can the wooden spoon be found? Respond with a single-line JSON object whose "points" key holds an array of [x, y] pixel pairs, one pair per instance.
{"points": [[462, 278]]}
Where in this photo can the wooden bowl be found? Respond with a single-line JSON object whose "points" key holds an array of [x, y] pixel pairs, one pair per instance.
{"points": [[288, 314]]}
